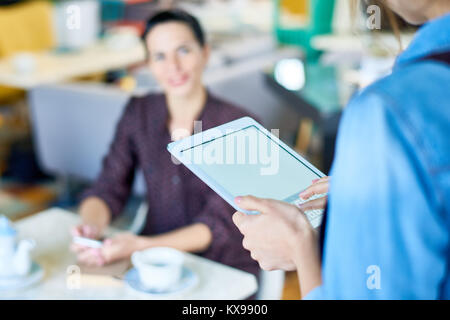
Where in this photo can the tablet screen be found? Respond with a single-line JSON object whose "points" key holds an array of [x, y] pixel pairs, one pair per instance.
{"points": [[248, 161]]}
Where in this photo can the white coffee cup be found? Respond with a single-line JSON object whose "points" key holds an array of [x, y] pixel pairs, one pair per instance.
{"points": [[159, 268]]}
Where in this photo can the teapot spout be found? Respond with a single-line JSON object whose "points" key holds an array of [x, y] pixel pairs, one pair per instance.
{"points": [[22, 258]]}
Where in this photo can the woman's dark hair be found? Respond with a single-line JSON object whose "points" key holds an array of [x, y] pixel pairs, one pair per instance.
{"points": [[176, 15]]}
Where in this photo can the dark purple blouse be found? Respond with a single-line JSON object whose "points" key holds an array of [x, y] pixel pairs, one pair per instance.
{"points": [[176, 197]]}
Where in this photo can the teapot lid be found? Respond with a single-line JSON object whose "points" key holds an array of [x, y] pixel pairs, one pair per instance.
{"points": [[5, 227]]}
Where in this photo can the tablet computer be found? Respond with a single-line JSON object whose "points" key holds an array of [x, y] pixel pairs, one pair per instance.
{"points": [[242, 158]]}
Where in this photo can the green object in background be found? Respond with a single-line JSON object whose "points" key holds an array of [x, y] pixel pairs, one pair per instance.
{"points": [[320, 22], [112, 10], [322, 88]]}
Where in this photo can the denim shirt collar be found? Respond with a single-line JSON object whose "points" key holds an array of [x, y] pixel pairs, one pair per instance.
{"points": [[432, 37]]}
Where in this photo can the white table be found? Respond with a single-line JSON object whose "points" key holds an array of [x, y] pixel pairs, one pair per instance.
{"points": [[50, 230]]}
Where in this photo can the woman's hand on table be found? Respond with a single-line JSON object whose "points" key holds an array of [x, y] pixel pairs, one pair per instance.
{"points": [[318, 186], [121, 246], [85, 231], [116, 248]]}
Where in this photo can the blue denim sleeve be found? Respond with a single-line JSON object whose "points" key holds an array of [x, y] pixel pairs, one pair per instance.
{"points": [[386, 238], [316, 294]]}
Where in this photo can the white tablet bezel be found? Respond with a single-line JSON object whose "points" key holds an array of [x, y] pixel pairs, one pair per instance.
{"points": [[176, 147]]}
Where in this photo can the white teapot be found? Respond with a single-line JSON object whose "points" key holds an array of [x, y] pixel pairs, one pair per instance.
{"points": [[15, 259]]}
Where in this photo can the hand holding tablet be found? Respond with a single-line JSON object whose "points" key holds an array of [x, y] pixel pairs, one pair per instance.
{"points": [[243, 158]]}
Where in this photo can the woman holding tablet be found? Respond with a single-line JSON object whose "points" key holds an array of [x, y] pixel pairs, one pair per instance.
{"points": [[183, 212], [387, 229]]}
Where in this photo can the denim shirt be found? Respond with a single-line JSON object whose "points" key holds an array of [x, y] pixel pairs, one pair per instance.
{"points": [[388, 226]]}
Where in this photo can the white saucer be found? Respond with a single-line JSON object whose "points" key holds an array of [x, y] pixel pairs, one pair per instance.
{"points": [[189, 279], [19, 282]]}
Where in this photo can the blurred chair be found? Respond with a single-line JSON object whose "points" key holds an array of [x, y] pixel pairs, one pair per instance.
{"points": [[73, 126], [27, 27]]}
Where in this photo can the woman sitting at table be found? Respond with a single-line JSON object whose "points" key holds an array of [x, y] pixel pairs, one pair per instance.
{"points": [[183, 212]]}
